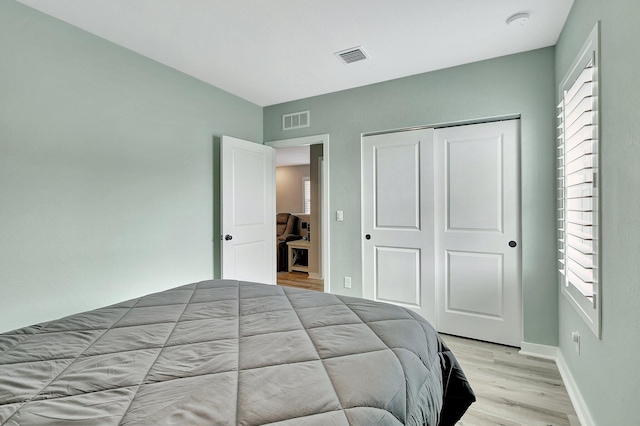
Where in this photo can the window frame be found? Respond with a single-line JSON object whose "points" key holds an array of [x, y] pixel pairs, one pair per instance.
{"points": [[589, 308]]}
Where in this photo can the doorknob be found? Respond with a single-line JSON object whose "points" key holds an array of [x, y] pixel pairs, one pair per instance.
{"points": [[228, 237], [368, 237], [512, 244]]}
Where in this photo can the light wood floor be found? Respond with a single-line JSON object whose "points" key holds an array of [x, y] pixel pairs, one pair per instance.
{"points": [[511, 389], [299, 280]]}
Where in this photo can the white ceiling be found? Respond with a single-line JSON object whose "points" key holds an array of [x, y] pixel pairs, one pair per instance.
{"points": [[273, 51], [293, 156]]}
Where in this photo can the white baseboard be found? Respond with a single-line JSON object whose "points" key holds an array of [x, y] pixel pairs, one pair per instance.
{"points": [[553, 353], [539, 351], [574, 392], [315, 275]]}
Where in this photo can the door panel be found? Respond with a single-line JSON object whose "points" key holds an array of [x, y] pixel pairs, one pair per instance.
{"points": [[473, 284], [474, 190], [249, 199], [397, 277], [477, 271], [397, 182], [397, 175], [259, 262], [248, 211]]}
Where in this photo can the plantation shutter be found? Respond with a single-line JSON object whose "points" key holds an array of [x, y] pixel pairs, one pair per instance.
{"points": [[307, 196], [577, 183]]}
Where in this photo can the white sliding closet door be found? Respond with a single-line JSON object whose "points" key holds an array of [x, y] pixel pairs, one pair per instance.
{"points": [[478, 232], [441, 227], [397, 205]]}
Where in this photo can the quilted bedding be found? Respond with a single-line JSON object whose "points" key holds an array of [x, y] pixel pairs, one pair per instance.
{"points": [[232, 353]]}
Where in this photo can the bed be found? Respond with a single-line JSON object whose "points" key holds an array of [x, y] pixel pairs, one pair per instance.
{"points": [[225, 352]]}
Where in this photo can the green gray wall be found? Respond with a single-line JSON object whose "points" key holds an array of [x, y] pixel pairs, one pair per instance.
{"points": [[519, 84], [607, 371], [106, 170], [108, 174]]}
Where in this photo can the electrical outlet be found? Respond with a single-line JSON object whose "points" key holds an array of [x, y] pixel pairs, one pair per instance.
{"points": [[347, 282], [575, 336], [339, 215]]}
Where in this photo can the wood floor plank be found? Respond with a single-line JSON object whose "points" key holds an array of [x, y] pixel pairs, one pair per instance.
{"points": [[511, 389], [300, 280]]}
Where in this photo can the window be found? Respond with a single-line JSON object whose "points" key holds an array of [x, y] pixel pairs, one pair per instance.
{"points": [[578, 184], [306, 187]]}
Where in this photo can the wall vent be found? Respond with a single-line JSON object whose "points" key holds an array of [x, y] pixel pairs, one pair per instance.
{"points": [[352, 55], [296, 120]]}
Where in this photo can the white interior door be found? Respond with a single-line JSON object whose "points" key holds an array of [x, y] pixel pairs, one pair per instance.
{"points": [[248, 211], [397, 220], [478, 232]]}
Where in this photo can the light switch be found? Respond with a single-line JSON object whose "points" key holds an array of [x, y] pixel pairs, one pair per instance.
{"points": [[339, 215]]}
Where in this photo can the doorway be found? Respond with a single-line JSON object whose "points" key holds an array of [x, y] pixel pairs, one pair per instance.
{"points": [[302, 170]]}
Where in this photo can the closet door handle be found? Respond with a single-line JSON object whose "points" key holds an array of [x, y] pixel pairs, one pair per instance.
{"points": [[512, 244], [228, 237], [368, 237]]}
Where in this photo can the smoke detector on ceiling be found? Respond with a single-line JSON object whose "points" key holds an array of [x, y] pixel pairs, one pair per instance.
{"points": [[352, 55], [518, 20]]}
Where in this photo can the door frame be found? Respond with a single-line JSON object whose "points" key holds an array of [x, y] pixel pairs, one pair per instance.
{"points": [[324, 216]]}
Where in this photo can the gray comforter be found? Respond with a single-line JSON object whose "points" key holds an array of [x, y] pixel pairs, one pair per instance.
{"points": [[226, 353]]}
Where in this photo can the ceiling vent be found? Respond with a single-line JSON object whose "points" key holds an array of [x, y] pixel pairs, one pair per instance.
{"points": [[296, 120], [352, 55]]}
